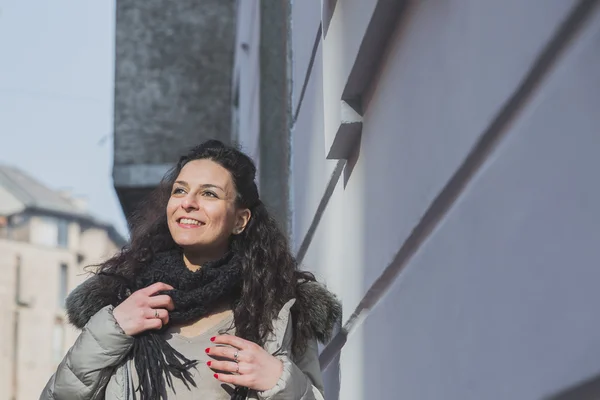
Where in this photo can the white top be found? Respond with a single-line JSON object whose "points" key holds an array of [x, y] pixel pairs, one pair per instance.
{"points": [[193, 348]]}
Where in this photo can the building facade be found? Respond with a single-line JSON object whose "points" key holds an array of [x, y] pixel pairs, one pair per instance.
{"points": [[442, 180], [46, 240]]}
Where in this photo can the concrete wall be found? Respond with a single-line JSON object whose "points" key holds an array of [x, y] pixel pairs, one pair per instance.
{"points": [[173, 68], [461, 228], [173, 77]]}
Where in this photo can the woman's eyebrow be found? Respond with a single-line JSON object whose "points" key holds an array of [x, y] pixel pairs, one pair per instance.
{"points": [[203, 186], [210, 185]]}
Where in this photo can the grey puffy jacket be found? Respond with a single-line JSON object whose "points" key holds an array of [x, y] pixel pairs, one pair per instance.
{"points": [[96, 367]]}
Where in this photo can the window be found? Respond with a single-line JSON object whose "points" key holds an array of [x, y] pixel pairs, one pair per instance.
{"points": [[18, 281], [58, 340], [62, 284], [44, 231], [62, 233], [3, 227], [50, 231], [17, 228]]}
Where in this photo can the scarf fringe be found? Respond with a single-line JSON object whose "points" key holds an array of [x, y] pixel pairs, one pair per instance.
{"points": [[156, 362], [151, 349]]}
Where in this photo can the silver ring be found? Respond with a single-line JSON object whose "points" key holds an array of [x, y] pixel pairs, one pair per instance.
{"points": [[235, 357], [237, 369], [155, 313]]}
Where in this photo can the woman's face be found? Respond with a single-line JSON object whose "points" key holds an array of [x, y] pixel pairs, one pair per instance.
{"points": [[201, 211]]}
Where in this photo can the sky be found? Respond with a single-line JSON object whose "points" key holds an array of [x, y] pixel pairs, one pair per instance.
{"points": [[56, 97]]}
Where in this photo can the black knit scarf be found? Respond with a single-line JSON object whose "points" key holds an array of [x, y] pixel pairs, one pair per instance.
{"points": [[195, 295]]}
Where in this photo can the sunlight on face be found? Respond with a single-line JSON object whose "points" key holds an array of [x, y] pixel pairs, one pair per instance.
{"points": [[201, 211]]}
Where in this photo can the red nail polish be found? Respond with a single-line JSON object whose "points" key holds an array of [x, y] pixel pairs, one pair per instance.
{"points": [[216, 376], [207, 350], [212, 339], [208, 363]]}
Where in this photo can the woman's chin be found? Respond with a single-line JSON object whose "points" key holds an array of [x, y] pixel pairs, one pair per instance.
{"points": [[188, 243]]}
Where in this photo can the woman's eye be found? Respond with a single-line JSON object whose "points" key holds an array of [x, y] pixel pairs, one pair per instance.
{"points": [[178, 191], [209, 194]]}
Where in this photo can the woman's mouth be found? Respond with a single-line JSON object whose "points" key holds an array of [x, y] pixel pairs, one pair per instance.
{"points": [[189, 223]]}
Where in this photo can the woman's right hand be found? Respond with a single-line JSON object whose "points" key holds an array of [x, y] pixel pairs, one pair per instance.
{"points": [[143, 311]]}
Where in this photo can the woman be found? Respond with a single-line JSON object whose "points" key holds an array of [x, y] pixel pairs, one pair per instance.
{"points": [[206, 302]]}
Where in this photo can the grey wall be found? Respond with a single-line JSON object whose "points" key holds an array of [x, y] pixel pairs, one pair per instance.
{"points": [[500, 301], [464, 228], [461, 229], [172, 76]]}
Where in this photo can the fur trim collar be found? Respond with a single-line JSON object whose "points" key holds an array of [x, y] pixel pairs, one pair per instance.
{"points": [[322, 306]]}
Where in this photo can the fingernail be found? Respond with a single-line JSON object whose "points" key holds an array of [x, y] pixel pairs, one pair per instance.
{"points": [[212, 339], [207, 350], [208, 363], [216, 376]]}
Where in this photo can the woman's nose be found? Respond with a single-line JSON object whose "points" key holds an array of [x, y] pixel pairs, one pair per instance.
{"points": [[189, 203]]}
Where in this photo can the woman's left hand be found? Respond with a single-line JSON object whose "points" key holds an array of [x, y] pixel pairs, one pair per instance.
{"points": [[255, 367]]}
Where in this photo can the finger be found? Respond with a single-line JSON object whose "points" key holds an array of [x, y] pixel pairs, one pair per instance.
{"points": [[234, 341], [158, 313], [229, 353], [237, 380], [155, 288], [161, 301], [227, 366], [163, 315], [154, 323]]}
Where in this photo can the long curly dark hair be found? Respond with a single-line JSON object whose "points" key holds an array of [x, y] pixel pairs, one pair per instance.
{"points": [[270, 274]]}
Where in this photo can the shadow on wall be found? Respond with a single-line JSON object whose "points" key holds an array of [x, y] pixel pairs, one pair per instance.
{"points": [[586, 390]]}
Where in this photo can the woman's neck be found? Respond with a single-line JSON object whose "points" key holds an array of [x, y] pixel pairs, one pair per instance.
{"points": [[195, 261]]}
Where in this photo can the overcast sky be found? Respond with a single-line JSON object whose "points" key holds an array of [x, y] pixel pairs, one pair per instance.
{"points": [[56, 95]]}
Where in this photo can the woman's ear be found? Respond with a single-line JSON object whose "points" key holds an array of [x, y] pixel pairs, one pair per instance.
{"points": [[242, 218]]}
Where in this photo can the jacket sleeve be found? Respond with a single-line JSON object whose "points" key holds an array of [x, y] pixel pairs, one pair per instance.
{"points": [[87, 367], [301, 378]]}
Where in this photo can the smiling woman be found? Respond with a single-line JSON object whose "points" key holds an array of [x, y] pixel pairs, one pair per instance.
{"points": [[202, 212], [206, 301]]}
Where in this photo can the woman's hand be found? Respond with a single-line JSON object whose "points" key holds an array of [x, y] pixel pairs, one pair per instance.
{"points": [[255, 368], [143, 311]]}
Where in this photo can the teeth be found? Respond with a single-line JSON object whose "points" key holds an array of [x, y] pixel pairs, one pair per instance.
{"points": [[188, 221]]}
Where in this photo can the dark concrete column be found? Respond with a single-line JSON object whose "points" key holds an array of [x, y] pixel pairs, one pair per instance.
{"points": [[275, 108]]}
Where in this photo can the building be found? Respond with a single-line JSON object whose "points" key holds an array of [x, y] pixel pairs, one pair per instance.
{"points": [[172, 86], [433, 162], [440, 175], [46, 240]]}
